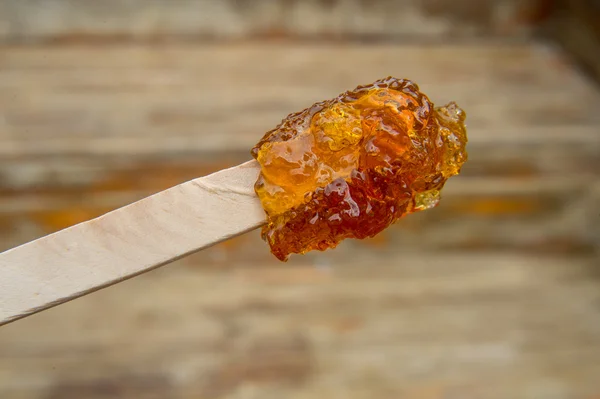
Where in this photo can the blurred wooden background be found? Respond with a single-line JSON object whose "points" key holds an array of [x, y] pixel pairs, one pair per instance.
{"points": [[494, 294]]}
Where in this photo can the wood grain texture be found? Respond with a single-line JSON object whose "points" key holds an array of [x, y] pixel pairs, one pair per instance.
{"points": [[159, 20], [128, 241], [381, 325], [492, 295], [85, 129], [146, 100]]}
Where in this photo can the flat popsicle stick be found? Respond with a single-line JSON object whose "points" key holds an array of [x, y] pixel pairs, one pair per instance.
{"points": [[128, 241]]}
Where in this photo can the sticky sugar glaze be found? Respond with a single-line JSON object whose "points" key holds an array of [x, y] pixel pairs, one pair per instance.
{"points": [[351, 166]]}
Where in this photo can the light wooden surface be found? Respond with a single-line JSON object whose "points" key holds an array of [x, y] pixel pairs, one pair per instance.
{"points": [[128, 241], [492, 295]]}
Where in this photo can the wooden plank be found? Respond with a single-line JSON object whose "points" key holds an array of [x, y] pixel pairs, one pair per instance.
{"points": [[494, 325], [497, 153], [142, 100], [87, 20]]}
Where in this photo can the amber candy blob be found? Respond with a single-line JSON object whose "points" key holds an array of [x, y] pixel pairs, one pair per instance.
{"points": [[351, 166]]}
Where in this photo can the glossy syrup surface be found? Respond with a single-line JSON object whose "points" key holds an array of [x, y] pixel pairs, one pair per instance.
{"points": [[351, 166]]}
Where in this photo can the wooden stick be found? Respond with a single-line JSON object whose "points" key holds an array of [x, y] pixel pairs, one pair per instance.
{"points": [[128, 241]]}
